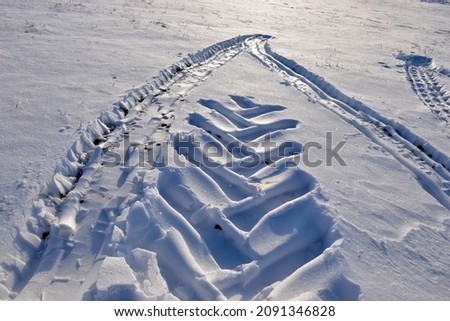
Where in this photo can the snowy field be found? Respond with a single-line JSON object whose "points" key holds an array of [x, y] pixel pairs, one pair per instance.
{"points": [[247, 150]]}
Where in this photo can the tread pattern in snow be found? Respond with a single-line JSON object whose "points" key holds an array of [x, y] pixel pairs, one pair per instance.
{"points": [[423, 76], [230, 230]]}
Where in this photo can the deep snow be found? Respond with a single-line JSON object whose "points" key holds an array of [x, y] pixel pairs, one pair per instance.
{"points": [[373, 74]]}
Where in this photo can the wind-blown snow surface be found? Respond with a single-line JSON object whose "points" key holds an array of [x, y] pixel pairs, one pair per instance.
{"points": [[244, 219]]}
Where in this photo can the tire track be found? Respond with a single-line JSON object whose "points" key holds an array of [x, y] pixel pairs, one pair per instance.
{"points": [[429, 165], [422, 74], [171, 206], [236, 212], [157, 217], [80, 179], [212, 221]]}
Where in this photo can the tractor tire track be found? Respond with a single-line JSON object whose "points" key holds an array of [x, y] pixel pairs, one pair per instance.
{"points": [[63, 204]]}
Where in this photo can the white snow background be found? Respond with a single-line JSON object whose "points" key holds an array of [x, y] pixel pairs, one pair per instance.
{"points": [[373, 73]]}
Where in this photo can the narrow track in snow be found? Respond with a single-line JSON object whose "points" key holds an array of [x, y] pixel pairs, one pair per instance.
{"points": [[428, 164]]}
